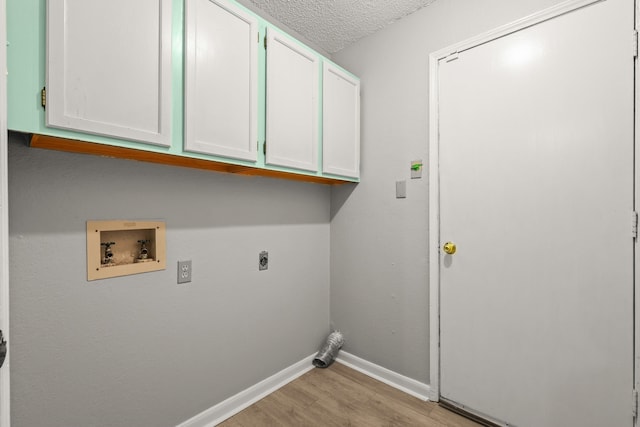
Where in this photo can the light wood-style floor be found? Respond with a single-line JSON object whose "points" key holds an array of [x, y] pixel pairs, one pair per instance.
{"points": [[340, 396]]}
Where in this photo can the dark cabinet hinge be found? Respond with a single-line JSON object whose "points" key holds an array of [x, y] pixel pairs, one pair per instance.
{"points": [[3, 349]]}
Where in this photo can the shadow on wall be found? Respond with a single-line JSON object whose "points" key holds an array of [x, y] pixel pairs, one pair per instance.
{"points": [[73, 187], [339, 196]]}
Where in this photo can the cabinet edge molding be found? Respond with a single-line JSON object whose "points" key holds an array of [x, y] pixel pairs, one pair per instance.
{"points": [[83, 147]]}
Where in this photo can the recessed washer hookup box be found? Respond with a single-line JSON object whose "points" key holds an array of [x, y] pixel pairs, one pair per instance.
{"points": [[124, 247]]}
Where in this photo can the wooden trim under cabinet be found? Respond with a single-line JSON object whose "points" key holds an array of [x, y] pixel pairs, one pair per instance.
{"points": [[82, 147]]}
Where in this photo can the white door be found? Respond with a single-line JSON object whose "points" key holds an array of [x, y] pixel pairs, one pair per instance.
{"points": [[293, 85], [221, 80], [536, 192]]}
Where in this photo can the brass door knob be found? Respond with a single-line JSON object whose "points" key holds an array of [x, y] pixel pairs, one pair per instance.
{"points": [[449, 248]]}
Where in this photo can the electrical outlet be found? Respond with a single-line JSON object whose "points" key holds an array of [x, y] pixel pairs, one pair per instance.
{"points": [[401, 189], [184, 271], [263, 260]]}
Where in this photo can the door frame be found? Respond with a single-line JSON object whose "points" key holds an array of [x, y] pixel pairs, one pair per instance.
{"points": [[636, 199], [5, 398], [434, 175]]}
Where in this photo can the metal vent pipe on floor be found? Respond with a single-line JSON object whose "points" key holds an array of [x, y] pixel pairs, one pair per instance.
{"points": [[329, 351]]}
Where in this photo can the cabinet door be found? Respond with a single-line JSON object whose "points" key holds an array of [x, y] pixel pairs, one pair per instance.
{"points": [[221, 80], [340, 122], [292, 104], [109, 68]]}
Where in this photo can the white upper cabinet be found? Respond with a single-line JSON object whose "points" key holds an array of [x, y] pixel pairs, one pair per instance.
{"points": [[109, 68], [292, 104], [341, 122], [221, 80]]}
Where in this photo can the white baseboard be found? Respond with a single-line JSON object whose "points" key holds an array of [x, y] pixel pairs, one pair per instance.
{"points": [[228, 408], [410, 386]]}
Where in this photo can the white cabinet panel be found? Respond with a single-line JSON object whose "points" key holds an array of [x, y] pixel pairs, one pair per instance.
{"points": [[341, 122], [109, 68], [292, 104], [221, 80]]}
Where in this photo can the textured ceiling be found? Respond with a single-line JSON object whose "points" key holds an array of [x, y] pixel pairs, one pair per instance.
{"points": [[335, 24]]}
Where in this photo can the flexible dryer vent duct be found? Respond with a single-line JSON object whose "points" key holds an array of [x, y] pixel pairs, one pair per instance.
{"points": [[328, 353]]}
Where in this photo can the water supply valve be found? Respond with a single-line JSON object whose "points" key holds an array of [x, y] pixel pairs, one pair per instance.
{"points": [[108, 253], [143, 255]]}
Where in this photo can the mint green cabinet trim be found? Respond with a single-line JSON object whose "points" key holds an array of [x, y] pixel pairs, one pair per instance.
{"points": [[25, 64], [177, 129]]}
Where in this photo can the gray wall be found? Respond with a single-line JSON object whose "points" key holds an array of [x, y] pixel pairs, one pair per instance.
{"points": [[142, 350], [379, 253]]}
